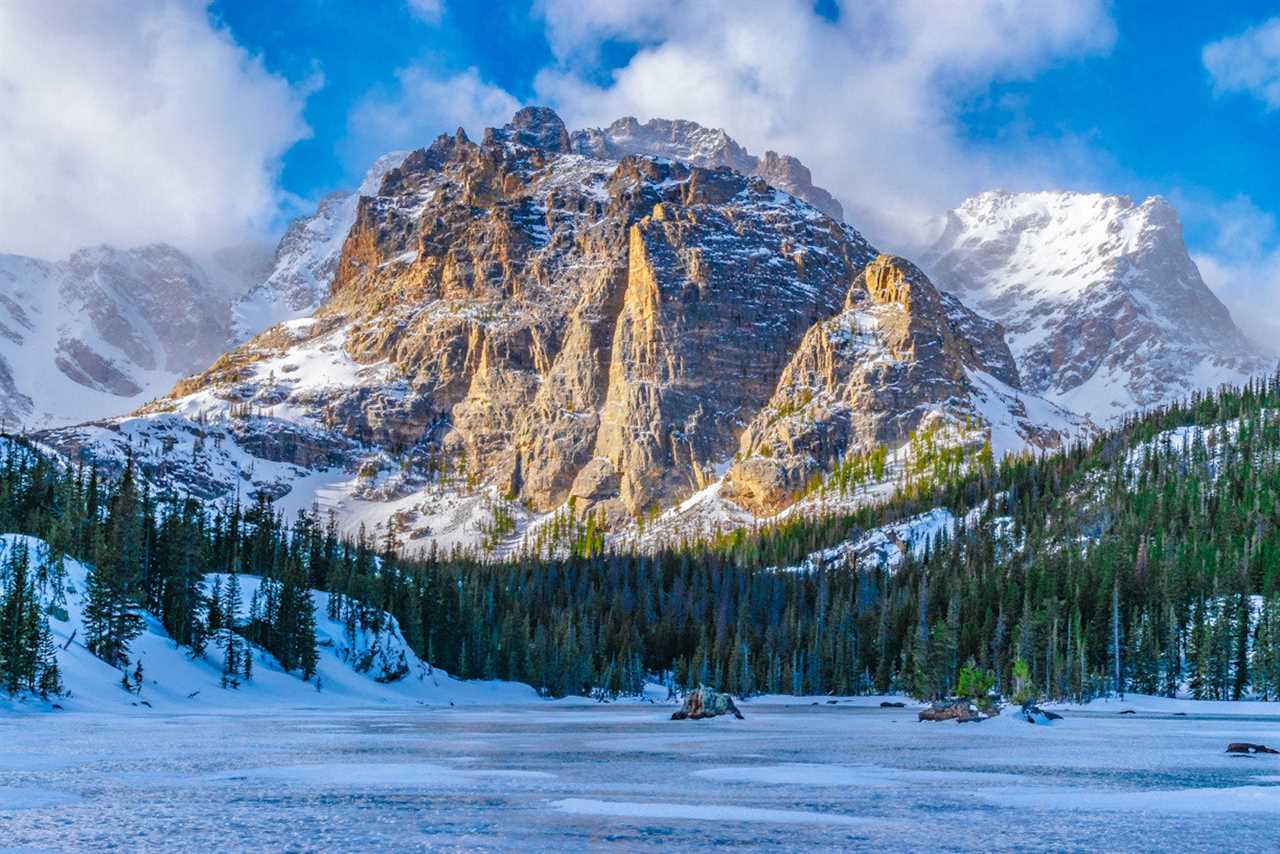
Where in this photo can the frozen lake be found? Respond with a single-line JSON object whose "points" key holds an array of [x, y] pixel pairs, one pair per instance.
{"points": [[624, 776]]}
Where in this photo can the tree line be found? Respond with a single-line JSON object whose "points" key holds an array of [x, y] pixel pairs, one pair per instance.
{"points": [[1145, 559]]}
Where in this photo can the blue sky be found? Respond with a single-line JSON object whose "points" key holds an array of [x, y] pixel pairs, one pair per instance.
{"points": [[1144, 108], [207, 121]]}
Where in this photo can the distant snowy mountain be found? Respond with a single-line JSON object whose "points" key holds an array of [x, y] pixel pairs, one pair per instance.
{"points": [[109, 329], [1103, 308], [306, 258], [102, 332]]}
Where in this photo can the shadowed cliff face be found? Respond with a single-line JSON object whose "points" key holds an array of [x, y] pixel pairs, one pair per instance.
{"points": [[614, 331]]}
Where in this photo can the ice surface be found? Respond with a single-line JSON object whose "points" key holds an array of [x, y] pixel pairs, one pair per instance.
{"points": [[551, 775]]}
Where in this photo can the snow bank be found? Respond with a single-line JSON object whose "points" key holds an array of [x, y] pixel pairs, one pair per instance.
{"points": [[174, 681], [1145, 703]]}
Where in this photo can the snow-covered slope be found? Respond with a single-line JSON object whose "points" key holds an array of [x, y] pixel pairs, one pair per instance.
{"points": [[306, 258], [886, 547], [102, 332], [1103, 308], [348, 672]]}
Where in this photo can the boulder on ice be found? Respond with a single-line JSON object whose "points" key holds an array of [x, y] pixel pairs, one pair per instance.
{"points": [[705, 703], [959, 710]]}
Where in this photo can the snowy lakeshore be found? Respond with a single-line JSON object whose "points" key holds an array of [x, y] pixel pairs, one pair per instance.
{"points": [[556, 775]]}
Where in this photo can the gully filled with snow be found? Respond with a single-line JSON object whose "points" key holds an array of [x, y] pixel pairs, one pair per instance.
{"points": [[547, 775]]}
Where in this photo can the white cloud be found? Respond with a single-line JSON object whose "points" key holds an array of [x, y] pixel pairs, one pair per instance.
{"points": [[430, 11], [868, 102], [1249, 62], [1241, 263], [135, 125], [424, 105]]}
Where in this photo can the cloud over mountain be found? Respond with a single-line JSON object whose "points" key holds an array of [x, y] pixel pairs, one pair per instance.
{"points": [[136, 125], [868, 99]]}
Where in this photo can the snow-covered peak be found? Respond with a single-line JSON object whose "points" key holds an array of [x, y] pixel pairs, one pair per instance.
{"points": [[103, 331], [307, 257], [373, 177], [1104, 308], [1052, 242]]}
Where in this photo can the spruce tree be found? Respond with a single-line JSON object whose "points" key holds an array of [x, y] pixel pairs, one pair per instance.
{"points": [[231, 663], [111, 614]]}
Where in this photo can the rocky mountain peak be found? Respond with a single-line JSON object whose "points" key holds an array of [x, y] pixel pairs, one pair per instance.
{"points": [[871, 375], [1104, 308], [587, 325], [533, 127], [890, 279], [697, 145]]}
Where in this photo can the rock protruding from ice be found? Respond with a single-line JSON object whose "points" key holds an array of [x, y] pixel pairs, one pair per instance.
{"points": [[961, 710], [1033, 714], [705, 703]]}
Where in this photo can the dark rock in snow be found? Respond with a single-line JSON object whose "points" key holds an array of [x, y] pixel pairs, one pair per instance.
{"points": [[960, 711], [1249, 748], [1127, 712], [888, 705], [1033, 714], [705, 703]]}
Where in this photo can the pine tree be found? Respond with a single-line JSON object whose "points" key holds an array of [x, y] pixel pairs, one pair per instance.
{"points": [[49, 677], [231, 663], [18, 611], [111, 614]]}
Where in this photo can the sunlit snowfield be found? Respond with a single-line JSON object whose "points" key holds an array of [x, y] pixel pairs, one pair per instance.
{"points": [[624, 776]]}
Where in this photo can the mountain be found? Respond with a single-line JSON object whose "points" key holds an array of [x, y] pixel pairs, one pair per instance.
{"points": [[517, 329], [306, 259], [108, 329], [297, 281], [1104, 310], [102, 332], [690, 142]]}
